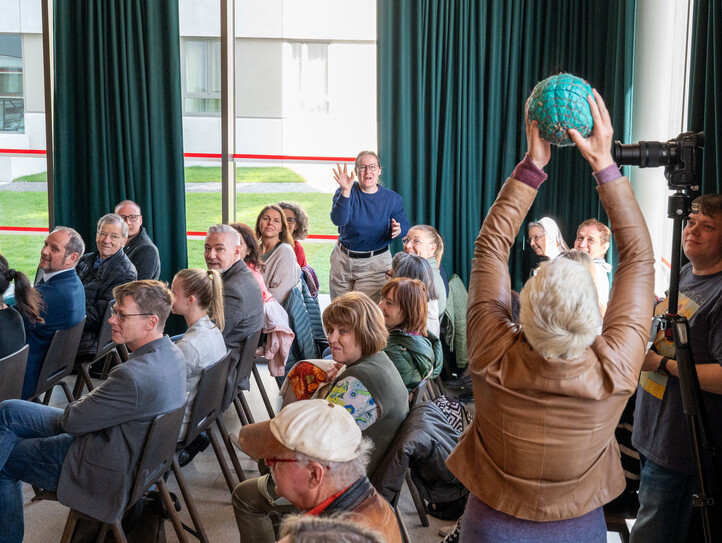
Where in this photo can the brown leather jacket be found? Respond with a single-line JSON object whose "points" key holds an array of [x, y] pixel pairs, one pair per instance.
{"points": [[542, 443]]}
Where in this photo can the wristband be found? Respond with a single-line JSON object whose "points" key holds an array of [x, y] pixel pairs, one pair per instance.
{"points": [[662, 368]]}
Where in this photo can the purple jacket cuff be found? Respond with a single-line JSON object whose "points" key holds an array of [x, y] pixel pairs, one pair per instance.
{"points": [[610, 173], [527, 172]]}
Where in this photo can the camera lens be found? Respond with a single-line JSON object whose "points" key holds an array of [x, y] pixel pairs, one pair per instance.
{"points": [[645, 154]]}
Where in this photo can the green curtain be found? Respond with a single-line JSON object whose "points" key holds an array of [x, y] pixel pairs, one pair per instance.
{"points": [[453, 79], [118, 123], [705, 110]]}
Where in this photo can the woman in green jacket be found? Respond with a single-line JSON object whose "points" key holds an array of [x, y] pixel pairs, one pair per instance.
{"points": [[415, 352]]}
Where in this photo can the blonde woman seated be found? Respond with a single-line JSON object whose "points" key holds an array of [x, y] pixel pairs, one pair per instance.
{"points": [[279, 336], [282, 271], [198, 297], [425, 241], [545, 238], [415, 353]]}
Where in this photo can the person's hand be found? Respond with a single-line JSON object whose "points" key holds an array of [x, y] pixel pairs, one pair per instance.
{"points": [[539, 150], [395, 228], [597, 148], [344, 179]]}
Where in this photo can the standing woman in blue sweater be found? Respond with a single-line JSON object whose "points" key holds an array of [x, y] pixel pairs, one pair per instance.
{"points": [[368, 217]]}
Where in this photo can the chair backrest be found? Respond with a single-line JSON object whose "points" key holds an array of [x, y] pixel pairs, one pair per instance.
{"points": [[248, 355], [209, 395], [158, 451], [12, 374], [60, 358], [105, 336], [417, 394]]}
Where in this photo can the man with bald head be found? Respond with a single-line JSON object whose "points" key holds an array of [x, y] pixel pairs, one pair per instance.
{"points": [[63, 294], [139, 249]]}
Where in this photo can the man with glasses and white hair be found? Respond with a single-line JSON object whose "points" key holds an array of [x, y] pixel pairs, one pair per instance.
{"points": [[63, 295], [318, 458], [140, 249], [88, 453], [101, 271]]}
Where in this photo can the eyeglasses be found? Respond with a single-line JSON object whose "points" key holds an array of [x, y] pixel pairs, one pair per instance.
{"points": [[271, 462], [389, 274], [123, 316], [130, 218], [370, 167], [114, 237], [414, 242], [534, 238], [290, 220]]}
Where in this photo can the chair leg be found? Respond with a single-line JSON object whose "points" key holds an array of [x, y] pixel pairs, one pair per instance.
{"points": [[418, 501], [440, 386], [70, 526], [262, 389], [117, 532], [239, 409], [168, 503], [231, 453], [246, 407], [402, 526], [200, 533], [68, 393]]}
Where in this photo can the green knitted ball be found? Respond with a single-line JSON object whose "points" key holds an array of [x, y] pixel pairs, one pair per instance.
{"points": [[558, 103]]}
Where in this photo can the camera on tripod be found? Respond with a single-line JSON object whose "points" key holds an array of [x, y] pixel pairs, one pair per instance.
{"points": [[681, 158]]}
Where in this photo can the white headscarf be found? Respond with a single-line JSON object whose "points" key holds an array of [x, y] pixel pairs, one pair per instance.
{"points": [[556, 243]]}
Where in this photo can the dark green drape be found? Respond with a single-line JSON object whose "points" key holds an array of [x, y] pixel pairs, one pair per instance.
{"points": [[705, 109], [453, 79], [118, 124]]}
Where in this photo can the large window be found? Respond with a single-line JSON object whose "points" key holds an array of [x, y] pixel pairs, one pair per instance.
{"points": [[201, 76], [12, 107]]}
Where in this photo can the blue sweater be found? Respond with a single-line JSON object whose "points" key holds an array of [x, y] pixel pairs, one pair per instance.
{"points": [[364, 220]]}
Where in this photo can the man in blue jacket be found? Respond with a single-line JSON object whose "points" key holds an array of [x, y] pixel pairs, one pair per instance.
{"points": [[63, 294]]}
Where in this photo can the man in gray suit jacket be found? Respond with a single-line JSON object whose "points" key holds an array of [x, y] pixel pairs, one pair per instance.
{"points": [[89, 452]]}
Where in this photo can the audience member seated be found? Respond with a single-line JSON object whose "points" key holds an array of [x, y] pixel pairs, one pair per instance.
{"points": [[541, 459], [242, 299], [318, 460], [63, 295], [281, 272], [100, 272], [88, 452], [140, 249], [28, 304], [585, 260], [368, 387], [198, 297], [337, 529], [279, 336], [546, 239], [593, 238], [415, 267], [368, 217], [415, 353], [298, 227], [425, 241]]}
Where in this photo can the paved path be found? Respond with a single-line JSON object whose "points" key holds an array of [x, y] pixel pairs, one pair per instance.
{"points": [[23, 186]]}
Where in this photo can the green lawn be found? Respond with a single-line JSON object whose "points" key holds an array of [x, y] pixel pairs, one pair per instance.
{"points": [[212, 174], [202, 209]]}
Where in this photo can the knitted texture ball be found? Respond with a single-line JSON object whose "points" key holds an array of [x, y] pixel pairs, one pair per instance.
{"points": [[558, 103]]}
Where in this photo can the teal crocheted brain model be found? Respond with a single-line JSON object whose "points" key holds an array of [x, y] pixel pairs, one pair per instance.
{"points": [[558, 103]]}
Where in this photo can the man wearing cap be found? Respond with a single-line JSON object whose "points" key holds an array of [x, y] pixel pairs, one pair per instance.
{"points": [[318, 460]]}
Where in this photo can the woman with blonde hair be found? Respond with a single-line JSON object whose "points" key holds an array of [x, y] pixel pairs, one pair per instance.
{"points": [[198, 297], [275, 244], [425, 241], [416, 353]]}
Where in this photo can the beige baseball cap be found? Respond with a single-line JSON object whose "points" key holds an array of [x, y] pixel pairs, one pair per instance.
{"points": [[316, 428]]}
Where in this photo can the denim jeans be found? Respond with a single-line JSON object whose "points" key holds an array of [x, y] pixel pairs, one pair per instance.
{"points": [[32, 449], [665, 505]]}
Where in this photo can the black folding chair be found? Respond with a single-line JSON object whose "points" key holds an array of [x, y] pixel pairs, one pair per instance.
{"points": [[205, 410], [12, 374], [59, 362]]}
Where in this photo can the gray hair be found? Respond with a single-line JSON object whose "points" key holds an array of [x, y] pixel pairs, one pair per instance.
{"points": [[344, 473], [415, 267], [225, 229], [338, 528], [117, 220], [559, 309], [75, 243]]}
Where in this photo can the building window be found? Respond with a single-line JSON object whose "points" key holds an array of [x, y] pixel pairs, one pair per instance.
{"points": [[12, 105], [307, 77], [202, 76]]}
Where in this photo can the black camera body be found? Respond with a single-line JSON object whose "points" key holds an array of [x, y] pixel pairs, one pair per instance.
{"points": [[681, 158]]}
